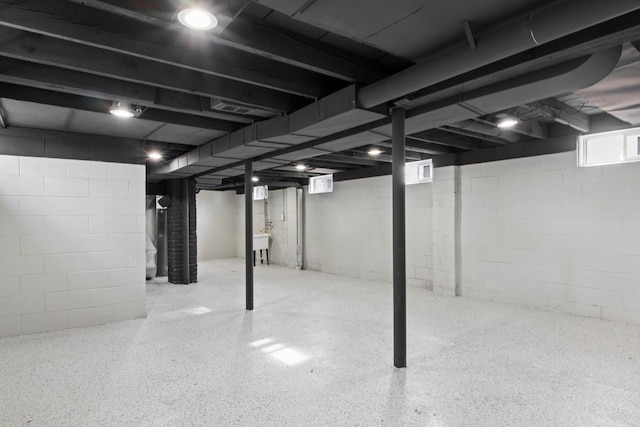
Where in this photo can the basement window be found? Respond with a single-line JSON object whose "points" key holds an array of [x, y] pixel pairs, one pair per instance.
{"points": [[418, 172], [609, 148], [321, 184], [260, 192]]}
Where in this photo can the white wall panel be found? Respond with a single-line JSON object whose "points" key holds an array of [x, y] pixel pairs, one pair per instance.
{"points": [[65, 227]]}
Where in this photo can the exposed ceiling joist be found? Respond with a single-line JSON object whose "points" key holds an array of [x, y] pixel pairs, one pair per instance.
{"points": [[609, 34], [118, 34], [473, 134], [562, 113], [60, 53], [85, 54], [421, 145], [266, 40], [76, 102], [79, 83], [532, 128], [444, 140], [274, 174], [350, 159], [319, 163], [418, 147]]}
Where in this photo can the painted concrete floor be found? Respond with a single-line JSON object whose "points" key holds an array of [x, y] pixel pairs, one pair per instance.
{"points": [[317, 350]]}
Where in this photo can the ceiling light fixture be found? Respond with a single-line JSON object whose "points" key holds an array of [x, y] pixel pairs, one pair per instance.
{"points": [[507, 122], [122, 109], [255, 179], [154, 155], [197, 19], [301, 167], [375, 152]]}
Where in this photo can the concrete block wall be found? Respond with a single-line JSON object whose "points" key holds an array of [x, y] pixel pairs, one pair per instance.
{"points": [[421, 202], [543, 232], [216, 224], [283, 217], [258, 221], [72, 243], [443, 233], [348, 232]]}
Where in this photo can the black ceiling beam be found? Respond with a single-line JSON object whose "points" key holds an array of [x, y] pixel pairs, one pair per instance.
{"points": [[443, 139], [77, 102], [318, 162], [60, 53], [309, 144], [270, 173], [119, 34], [531, 128], [475, 135], [155, 13], [79, 83], [68, 145], [414, 147], [269, 41], [261, 38], [605, 35], [421, 145], [350, 159], [562, 113]]}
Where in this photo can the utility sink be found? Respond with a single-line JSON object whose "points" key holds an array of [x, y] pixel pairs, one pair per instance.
{"points": [[261, 241]]}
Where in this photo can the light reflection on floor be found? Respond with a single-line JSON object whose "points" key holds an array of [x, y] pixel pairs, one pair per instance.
{"points": [[279, 351]]}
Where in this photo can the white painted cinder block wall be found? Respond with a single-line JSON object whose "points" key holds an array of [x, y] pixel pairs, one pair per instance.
{"points": [[537, 231], [258, 221], [216, 224], [72, 243], [282, 215], [348, 231], [543, 232]]}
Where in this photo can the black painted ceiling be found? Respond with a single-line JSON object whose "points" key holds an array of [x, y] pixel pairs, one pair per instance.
{"points": [[268, 76]]}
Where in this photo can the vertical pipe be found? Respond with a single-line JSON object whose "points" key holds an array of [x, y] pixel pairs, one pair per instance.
{"points": [[248, 231], [399, 244], [458, 231], [300, 228], [185, 231]]}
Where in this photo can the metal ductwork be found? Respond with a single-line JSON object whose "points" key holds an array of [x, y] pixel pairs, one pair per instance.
{"points": [[545, 83], [538, 27], [334, 113]]}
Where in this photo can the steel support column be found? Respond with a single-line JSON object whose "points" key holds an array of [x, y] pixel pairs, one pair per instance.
{"points": [[399, 244], [248, 231]]}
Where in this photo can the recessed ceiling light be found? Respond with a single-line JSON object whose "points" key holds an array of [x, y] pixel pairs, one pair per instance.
{"points": [[375, 152], [507, 122], [301, 167], [255, 179], [154, 155], [197, 19], [121, 109]]}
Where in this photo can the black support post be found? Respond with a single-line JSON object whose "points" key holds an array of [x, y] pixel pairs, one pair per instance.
{"points": [[185, 227], [248, 218], [399, 244]]}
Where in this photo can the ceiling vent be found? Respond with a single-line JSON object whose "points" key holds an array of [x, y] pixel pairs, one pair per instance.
{"points": [[228, 107]]}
